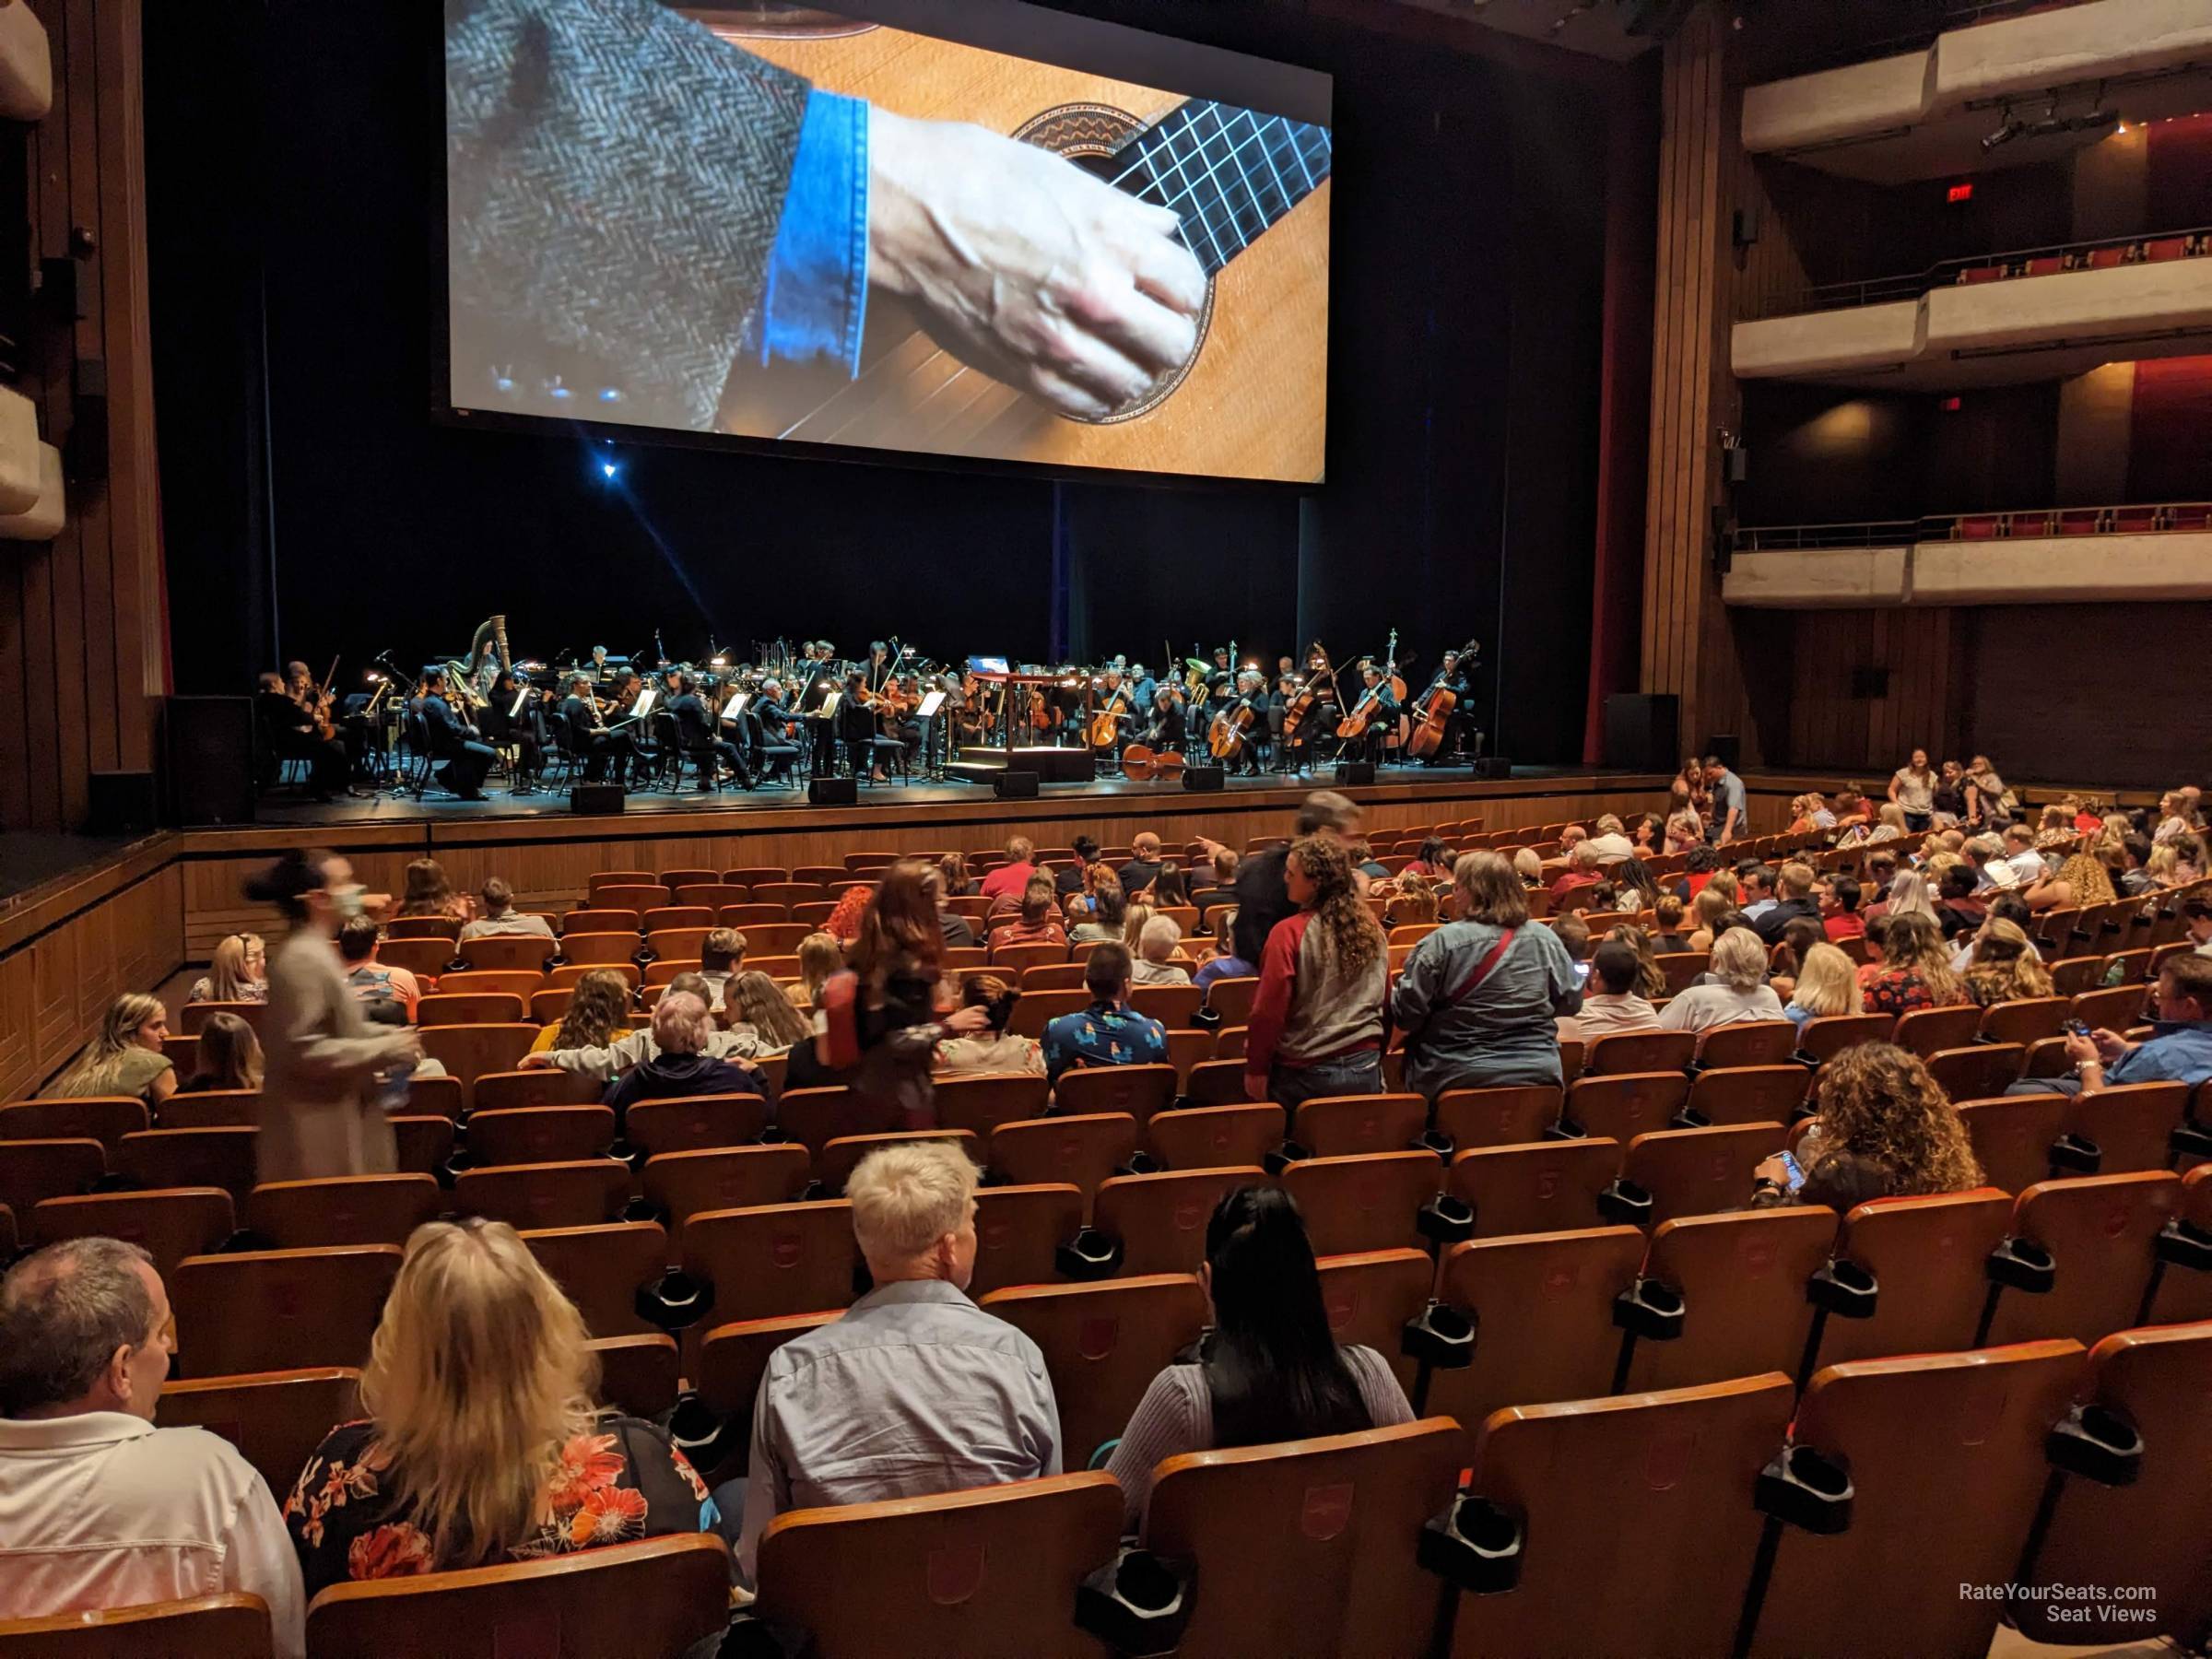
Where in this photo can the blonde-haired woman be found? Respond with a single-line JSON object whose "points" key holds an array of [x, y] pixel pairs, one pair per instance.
{"points": [[2003, 967], [1133, 925], [1916, 968], [1739, 962], [755, 999], [124, 1056], [1827, 985], [483, 1443], [238, 971], [2082, 880]]}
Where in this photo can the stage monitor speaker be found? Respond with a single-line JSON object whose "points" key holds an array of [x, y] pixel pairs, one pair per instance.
{"points": [[832, 791], [598, 799], [1201, 777], [209, 746], [1012, 785], [1726, 748], [1496, 768], [119, 803], [1355, 771], [1641, 732]]}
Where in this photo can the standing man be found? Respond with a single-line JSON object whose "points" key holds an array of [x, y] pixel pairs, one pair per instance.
{"points": [[1729, 815], [1262, 891]]}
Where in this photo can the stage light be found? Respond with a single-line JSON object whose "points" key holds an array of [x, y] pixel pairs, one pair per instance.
{"points": [[610, 394], [608, 469]]}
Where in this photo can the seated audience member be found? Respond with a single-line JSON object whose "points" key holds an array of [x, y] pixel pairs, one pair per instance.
{"points": [[1697, 871], [1759, 890], [1828, 983], [820, 956], [429, 893], [1155, 944], [1012, 876], [605, 1062], [1878, 1104], [1481, 998], [1915, 969], [1840, 917], [1143, 868], [914, 1391], [1433, 860], [2135, 870], [1268, 1369], [2196, 916], [1573, 937], [2179, 1049], [681, 1066], [372, 981], [1581, 872], [1075, 878], [1039, 923], [228, 1056], [1225, 963], [2018, 842], [2080, 879], [1318, 1020], [1879, 871], [2003, 907], [1667, 937], [843, 921], [501, 916], [1709, 916], [1651, 979], [598, 1014], [1170, 887], [2174, 820], [1908, 895], [1612, 1003], [1986, 854], [1573, 836], [390, 1016], [953, 928], [484, 1442], [99, 1509], [1960, 907], [1741, 993], [720, 955], [991, 1050], [1889, 825], [124, 1057], [238, 971], [1634, 885], [1415, 903], [756, 1004], [1133, 929], [1528, 867], [2003, 966], [1109, 1032], [958, 883], [1782, 959], [1106, 913], [1795, 885], [1611, 839], [1222, 874]]}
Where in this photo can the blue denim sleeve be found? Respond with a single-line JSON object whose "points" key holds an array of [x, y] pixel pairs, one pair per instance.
{"points": [[816, 300]]}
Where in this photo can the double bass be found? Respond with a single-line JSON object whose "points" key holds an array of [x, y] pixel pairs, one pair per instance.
{"points": [[1363, 713], [1433, 713]]}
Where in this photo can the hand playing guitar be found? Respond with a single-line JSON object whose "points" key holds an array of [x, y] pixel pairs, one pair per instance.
{"points": [[1030, 268]]}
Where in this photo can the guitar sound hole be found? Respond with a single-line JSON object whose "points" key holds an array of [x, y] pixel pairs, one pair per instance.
{"points": [[1090, 135], [740, 20]]}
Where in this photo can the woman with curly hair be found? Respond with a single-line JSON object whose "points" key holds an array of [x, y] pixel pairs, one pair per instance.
{"points": [[1916, 968], [2003, 968], [1876, 1103], [1317, 1016], [483, 1443], [598, 1015], [2081, 879]]}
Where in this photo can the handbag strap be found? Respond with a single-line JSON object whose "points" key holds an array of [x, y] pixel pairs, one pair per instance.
{"points": [[1467, 986]]}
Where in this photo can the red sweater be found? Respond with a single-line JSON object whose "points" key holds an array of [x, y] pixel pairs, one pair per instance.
{"points": [[1007, 879]]}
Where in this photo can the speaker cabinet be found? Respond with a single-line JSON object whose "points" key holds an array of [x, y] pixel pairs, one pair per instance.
{"points": [[1494, 768], [1198, 778], [119, 803], [597, 799], [1641, 732], [832, 791], [210, 745], [1726, 748], [1355, 771], [1012, 785]]}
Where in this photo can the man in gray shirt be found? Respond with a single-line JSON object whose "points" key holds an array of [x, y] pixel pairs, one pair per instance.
{"points": [[501, 916], [1729, 802], [915, 1391]]}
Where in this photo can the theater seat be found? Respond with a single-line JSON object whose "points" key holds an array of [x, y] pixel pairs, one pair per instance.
{"points": [[33, 1169], [778, 1258], [1212, 1137], [1344, 1125], [1638, 1533], [275, 1419], [539, 1134], [1366, 1202], [167, 1223], [2145, 1540], [1699, 1172], [1017, 1230], [1925, 1258], [600, 1267], [2012, 1137], [1946, 1460], [1139, 1091], [732, 1359], [2097, 1231], [1638, 1052], [1103, 1344], [1080, 1150], [1752, 1042], [655, 1598], [547, 1086], [834, 1165], [1497, 1117], [1748, 1094], [1370, 1295], [276, 1309], [1543, 1312], [987, 1574], [2130, 1124], [979, 1104], [1544, 1186], [694, 1122], [1977, 1070], [578, 1192], [1304, 1548], [685, 1183], [1741, 1279], [639, 1373], [1626, 1104], [2184, 1290], [1160, 1219], [235, 1625], [175, 1158]]}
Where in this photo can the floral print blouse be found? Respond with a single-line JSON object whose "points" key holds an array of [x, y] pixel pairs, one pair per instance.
{"points": [[622, 1481]]}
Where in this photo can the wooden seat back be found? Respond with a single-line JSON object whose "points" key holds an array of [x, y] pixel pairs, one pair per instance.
{"points": [[776, 1258], [1543, 1307], [1139, 1091], [468, 1052], [1038, 1010], [1753, 1043], [2027, 1020], [1742, 1281], [343, 1209], [815, 1117], [105, 1118], [639, 1374], [507, 952], [733, 1359], [275, 1419], [1172, 1006], [471, 1007], [1830, 1034], [167, 1223], [1160, 1219], [1232, 998], [35, 1170], [193, 1016], [1977, 1070], [235, 1625], [834, 1167], [1626, 1104], [569, 1193], [1544, 1186], [2099, 1231], [599, 1268], [1369, 1295], [423, 958], [2131, 1124], [694, 1122], [1750, 1094], [1701, 1171], [717, 1177], [1345, 1125], [276, 1309], [1926, 1257], [1080, 1149], [1017, 1230], [180, 1157], [1214, 1137], [1638, 1052], [1364, 1202], [978, 1104], [546, 1086], [1505, 1116], [423, 1142], [211, 1109]]}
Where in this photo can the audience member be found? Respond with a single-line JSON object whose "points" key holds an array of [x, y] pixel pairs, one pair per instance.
{"points": [[1651, 979], [1573, 937], [915, 1390], [1986, 854], [1827, 985], [1225, 963], [1156, 944], [1840, 917], [429, 893], [228, 1056], [1222, 865], [501, 916], [1142, 869], [2179, 1049], [1698, 870], [1268, 1368], [1915, 969], [1795, 887], [237, 972], [953, 929], [1737, 992], [2027, 864], [1667, 925], [820, 956], [1011, 876], [1108, 1032], [1075, 878], [483, 1441], [1913, 789], [1433, 860], [2081, 878], [1318, 1019], [1263, 897], [1107, 912], [1729, 817], [1876, 1103], [991, 1050], [1479, 999], [2196, 916], [1039, 922], [598, 1014], [603, 1063], [680, 1064], [99, 1509], [2003, 966], [897, 961], [756, 1004], [1759, 895], [720, 955], [842, 924], [125, 1056], [1960, 907], [1581, 872], [368, 980], [958, 883], [1527, 866], [1613, 1003]]}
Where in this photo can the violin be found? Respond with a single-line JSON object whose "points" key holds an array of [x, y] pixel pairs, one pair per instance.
{"points": [[1370, 704], [1433, 714]]}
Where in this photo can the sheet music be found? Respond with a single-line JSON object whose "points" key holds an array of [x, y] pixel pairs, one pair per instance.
{"points": [[930, 705], [521, 697], [644, 705], [735, 706], [830, 704]]}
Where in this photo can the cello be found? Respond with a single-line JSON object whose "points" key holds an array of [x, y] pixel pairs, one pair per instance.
{"points": [[1105, 725], [1297, 710], [1363, 713], [1433, 713], [1224, 739]]}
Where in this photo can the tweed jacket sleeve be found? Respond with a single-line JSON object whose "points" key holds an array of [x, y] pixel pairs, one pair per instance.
{"points": [[614, 179]]}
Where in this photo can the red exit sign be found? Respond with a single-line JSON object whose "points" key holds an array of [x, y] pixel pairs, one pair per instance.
{"points": [[1960, 193]]}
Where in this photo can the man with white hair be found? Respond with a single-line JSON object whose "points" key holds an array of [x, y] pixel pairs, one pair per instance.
{"points": [[1612, 840], [914, 1391], [2021, 853], [98, 1507], [681, 1064]]}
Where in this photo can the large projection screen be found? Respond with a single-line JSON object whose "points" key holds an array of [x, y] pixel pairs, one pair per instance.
{"points": [[968, 229]]}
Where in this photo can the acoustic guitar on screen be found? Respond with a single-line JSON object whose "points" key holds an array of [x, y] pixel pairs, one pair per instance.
{"points": [[1251, 190]]}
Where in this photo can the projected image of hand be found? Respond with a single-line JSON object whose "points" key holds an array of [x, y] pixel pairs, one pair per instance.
{"points": [[1028, 266]]}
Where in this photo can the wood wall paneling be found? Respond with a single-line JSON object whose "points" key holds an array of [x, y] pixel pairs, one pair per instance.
{"points": [[55, 985]]}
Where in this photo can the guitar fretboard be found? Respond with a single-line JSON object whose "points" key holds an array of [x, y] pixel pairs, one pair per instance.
{"points": [[1230, 173]]}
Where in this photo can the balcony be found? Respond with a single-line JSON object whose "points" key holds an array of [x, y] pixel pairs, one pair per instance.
{"points": [[2050, 556], [2036, 314], [2073, 71]]}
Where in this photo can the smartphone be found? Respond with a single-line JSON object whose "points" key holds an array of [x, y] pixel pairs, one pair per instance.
{"points": [[1791, 1172], [2077, 1028], [1582, 973]]}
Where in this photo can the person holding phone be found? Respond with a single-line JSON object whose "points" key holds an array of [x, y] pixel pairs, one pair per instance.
{"points": [[2179, 1049], [1885, 1130]]}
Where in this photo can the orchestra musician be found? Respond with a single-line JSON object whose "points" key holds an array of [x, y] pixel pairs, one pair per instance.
{"points": [[1382, 718], [1141, 689], [522, 732], [454, 740], [589, 740], [856, 727], [1452, 676], [289, 726], [698, 732], [1163, 727], [1114, 694], [1249, 692]]}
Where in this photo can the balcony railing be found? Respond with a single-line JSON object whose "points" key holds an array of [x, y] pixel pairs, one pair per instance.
{"points": [[1942, 17], [2109, 253], [2134, 519]]}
